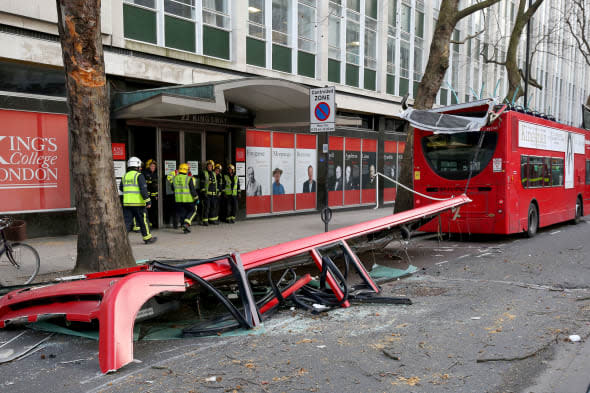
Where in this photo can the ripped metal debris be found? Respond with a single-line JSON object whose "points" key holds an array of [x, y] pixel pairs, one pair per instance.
{"points": [[114, 298]]}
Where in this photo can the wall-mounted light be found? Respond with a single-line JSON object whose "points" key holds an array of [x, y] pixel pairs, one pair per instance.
{"points": [[253, 10]]}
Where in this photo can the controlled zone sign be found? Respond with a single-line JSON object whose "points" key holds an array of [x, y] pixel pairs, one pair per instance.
{"points": [[322, 109]]}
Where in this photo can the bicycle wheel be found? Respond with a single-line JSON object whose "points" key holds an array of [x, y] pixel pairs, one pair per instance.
{"points": [[19, 264]]}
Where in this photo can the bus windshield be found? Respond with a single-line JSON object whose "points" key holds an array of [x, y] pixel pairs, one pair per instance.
{"points": [[451, 155]]}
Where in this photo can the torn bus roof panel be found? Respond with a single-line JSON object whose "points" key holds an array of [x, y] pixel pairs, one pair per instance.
{"points": [[468, 117], [115, 299]]}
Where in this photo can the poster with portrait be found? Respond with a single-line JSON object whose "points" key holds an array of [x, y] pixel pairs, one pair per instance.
{"points": [[335, 170], [369, 170], [283, 171], [389, 170], [258, 172], [352, 171], [306, 171]]}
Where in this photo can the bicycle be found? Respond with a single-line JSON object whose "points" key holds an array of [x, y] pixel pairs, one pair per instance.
{"points": [[19, 262]]}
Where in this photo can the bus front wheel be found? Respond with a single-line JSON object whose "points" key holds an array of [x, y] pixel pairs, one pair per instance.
{"points": [[533, 220]]}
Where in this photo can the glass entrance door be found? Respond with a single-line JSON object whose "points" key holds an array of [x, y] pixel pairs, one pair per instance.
{"points": [[170, 159], [192, 151]]}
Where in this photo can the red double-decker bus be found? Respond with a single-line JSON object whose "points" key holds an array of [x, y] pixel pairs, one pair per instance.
{"points": [[530, 172]]}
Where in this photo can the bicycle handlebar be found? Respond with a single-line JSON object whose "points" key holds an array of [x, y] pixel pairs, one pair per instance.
{"points": [[5, 222]]}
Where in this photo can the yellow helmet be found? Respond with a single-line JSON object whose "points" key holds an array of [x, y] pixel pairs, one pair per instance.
{"points": [[230, 166], [183, 168], [210, 162], [150, 162], [218, 166]]}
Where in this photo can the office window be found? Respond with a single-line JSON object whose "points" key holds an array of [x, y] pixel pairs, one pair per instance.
{"points": [[354, 5], [392, 17], [334, 21], [353, 37], [371, 8], [139, 20], [179, 24], [306, 39], [406, 15], [370, 43], [281, 52], [390, 65], [306, 26], [216, 23], [256, 40], [256, 26], [404, 59], [334, 37], [216, 13], [182, 8], [280, 22]]}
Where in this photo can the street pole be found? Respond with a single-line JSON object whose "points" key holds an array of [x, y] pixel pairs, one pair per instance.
{"points": [[527, 61]]}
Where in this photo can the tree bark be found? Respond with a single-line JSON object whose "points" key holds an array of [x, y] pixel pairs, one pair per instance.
{"points": [[436, 68], [102, 239], [515, 90]]}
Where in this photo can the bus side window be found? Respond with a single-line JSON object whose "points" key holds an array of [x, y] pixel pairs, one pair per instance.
{"points": [[535, 172], [587, 171], [557, 171], [547, 172], [524, 171]]}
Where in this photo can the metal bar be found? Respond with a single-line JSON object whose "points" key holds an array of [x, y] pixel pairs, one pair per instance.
{"points": [[317, 258], [286, 293], [249, 301], [360, 268]]}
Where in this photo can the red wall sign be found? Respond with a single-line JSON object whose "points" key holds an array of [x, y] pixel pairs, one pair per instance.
{"points": [[118, 151], [240, 154], [34, 161]]}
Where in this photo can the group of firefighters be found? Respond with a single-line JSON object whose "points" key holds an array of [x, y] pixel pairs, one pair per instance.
{"points": [[194, 195]]}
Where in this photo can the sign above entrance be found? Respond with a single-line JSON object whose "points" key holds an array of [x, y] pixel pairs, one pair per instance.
{"points": [[322, 109]]}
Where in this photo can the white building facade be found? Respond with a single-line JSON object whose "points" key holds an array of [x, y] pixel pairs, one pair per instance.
{"points": [[252, 62]]}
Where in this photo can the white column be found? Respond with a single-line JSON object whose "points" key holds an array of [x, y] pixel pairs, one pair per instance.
{"points": [[382, 24], [362, 46], [239, 23], [268, 31], [293, 34], [322, 40]]}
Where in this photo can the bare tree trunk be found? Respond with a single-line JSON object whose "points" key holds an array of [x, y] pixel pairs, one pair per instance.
{"points": [[436, 68], [515, 90], [102, 240]]}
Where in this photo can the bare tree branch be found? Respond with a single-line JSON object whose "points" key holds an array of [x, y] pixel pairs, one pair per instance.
{"points": [[469, 37], [474, 8]]}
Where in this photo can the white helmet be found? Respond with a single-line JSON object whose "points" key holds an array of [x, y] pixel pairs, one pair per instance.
{"points": [[133, 162]]}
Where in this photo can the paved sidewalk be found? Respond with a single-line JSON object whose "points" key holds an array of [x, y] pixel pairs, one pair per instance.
{"points": [[58, 254]]}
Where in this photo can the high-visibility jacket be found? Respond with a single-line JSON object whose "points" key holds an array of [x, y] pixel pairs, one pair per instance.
{"points": [[231, 185], [209, 183], [134, 189], [184, 188]]}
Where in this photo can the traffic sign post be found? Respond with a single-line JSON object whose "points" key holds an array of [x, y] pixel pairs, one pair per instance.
{"points": [[322, 109]]}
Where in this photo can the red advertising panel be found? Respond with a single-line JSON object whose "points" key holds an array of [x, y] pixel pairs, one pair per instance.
{"points": [[389, 170], [258, 172], [335, 173], [240, 154], [306, 171], [118, 151], [368, 171], [352, 171], [34, 161], [283, 172]]}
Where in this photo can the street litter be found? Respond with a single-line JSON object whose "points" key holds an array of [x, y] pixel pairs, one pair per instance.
{"points": [[575, 338], [475, 318], [117, 298]]}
